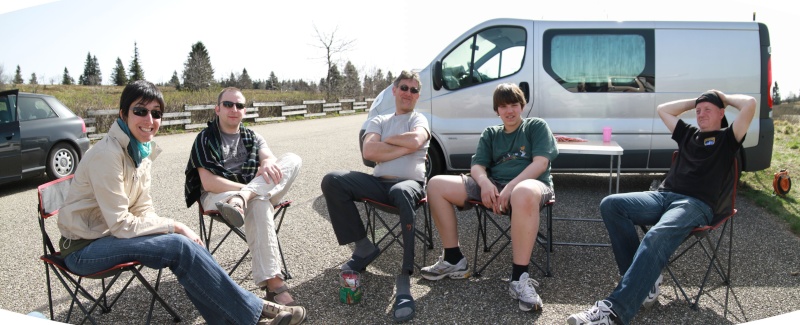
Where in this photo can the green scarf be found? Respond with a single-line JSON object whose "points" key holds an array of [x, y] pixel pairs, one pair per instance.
{"points": [[136, 149]]}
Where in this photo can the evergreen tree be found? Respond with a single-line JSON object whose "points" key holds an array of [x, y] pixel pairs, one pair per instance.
{"points": [[231, 82], [33, 80], [118, 76], [174, 81], [197, 71], [136, 72], [18, 77], [91, 72], [334, 83], [352, 83], [66, 79], [776, 94], [389, 80], [369, 86], [244, 81], [273, 83]]}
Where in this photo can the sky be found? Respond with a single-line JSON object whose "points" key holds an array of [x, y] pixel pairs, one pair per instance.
{"points": [[45, 36]]}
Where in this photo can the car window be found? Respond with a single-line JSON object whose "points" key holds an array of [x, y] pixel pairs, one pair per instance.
{"points": [[6, 113], [488, 55], [32, 108], [600, 60]]}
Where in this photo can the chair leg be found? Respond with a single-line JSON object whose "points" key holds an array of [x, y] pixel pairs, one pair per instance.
{"points": [[154, 292], [49, 289], [282, 212]]}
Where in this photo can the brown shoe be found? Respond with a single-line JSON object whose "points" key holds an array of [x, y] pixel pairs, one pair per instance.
{"points": [[272, 309], [281, 296], [282, 318]]}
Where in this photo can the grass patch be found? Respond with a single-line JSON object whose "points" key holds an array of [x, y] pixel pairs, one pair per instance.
{"points": [[757, 186]]}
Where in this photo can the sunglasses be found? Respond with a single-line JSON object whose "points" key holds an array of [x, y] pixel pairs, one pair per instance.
{"points": [[141, 111], [229, 104], [406, 88]]}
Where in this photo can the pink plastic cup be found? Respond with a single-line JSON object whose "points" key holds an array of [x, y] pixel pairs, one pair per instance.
{"points": [[607, 134]]}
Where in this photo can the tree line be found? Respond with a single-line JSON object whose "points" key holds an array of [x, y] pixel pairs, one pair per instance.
{"points": [[198, 74]]}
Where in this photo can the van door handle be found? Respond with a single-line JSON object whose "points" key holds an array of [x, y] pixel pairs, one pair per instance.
{"points": [[526, 89]]}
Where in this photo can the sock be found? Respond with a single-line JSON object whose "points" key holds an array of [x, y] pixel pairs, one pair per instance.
{"points": [[364, 247], [453, 255], [403, 283], [517, 270]]}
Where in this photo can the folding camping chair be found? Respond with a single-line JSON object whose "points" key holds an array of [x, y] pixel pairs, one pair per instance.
{"points": [[485, 214], [393, 230], [215, 216], [51, 196], [702, 237]]}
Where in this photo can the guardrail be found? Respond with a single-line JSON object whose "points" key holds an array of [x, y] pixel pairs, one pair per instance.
{"points": [[98, 121]]}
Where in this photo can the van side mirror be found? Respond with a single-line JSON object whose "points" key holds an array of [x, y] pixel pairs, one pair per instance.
{"points": [[437, 75]]}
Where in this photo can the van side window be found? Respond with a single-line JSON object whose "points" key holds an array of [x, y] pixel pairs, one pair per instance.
{"points": [[601, 60], [488, 55], [34, 109]]}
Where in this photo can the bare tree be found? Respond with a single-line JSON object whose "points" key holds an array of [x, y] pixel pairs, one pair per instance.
{"points": [[332, 46]]}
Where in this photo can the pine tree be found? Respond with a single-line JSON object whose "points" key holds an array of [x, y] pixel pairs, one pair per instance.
{"points": [[136, 72], [244, 81], [33, 80], [18, 77], [352, 83], [66, 79], [91, 72], [118, 76], [174, 81], [273, 83], [197, 71]]}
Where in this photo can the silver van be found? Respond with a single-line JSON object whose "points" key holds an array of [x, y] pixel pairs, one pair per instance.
{"points": [[583, 76]]}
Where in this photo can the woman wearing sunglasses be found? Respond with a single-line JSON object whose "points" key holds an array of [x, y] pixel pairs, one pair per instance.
{"points": [[108, 218]]}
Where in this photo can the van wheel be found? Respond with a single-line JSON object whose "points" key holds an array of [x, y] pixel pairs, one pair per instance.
{"points": [[434, 164], [61, 161]]}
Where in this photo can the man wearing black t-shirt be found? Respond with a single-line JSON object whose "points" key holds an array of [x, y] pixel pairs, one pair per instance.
{"points": [[685, 200]]}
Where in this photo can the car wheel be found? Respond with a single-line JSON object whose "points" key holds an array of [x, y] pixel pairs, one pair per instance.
{"points": [[61, 161], [434, 164]]}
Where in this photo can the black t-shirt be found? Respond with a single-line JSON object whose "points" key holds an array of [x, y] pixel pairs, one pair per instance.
{"points": [[704, 160]]}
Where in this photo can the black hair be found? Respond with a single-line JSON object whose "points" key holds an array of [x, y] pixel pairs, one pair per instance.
{"points": [[142, 91]]}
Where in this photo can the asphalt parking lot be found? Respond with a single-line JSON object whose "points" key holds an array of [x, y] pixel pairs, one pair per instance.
{"points": [[766, 255]]}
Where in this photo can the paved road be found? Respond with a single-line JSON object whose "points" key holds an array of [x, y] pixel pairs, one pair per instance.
{"points": [[766, 253]]}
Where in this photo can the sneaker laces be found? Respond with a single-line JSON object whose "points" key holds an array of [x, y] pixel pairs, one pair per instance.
{"points": [[527, 285], [601, 309], [440, 265]]}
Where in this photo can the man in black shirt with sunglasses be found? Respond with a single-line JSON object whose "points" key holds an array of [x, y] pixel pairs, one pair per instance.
{"points": [[232, 169]]}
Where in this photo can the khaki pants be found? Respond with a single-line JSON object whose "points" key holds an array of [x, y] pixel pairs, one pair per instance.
{"points": [[259, 228]]}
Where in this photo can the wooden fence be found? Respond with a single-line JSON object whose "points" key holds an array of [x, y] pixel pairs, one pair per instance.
{"points": [[196, 116]]}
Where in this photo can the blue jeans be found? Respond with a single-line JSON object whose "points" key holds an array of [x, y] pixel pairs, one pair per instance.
{"points": [[342, 188], [215, 295], [672, 217]]}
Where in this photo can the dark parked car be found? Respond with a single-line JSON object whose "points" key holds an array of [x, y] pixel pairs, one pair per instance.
{"points": [[38, 134]]}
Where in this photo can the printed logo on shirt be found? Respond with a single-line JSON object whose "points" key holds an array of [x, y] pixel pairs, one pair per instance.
{"points": [[709, 141], [513, 155]]}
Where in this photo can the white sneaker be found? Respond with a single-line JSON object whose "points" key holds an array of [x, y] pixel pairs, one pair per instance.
{"points": [[652, 296], [523, 291], [599, 314], [443, 269]]}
